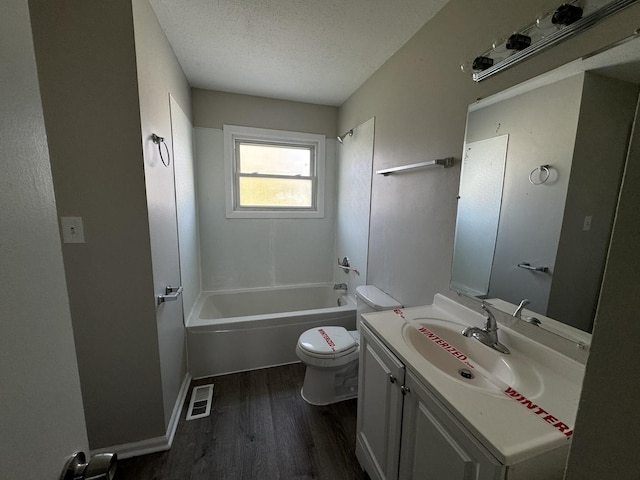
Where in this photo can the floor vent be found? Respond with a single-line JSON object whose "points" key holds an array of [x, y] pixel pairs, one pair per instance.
{"points": [[200, 405]]}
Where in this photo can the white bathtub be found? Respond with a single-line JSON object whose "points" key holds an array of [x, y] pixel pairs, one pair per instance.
{"points": [[240, 330]]}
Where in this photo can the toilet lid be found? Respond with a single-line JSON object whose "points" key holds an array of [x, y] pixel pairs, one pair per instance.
{"points": [[327, 341]]}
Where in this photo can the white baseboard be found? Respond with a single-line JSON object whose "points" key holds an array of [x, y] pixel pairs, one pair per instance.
{"points": [[156, 444], [177, 408], [135, 449]]}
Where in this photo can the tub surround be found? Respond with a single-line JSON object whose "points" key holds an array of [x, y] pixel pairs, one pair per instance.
{"points": [[258, 253], [354, 169], [255, 253]]}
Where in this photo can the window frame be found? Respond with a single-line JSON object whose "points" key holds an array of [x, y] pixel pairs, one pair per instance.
{"points": [[234, 134]]}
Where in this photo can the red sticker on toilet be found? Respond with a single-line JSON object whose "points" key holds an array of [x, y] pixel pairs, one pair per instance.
{"points": [[327, 339]]}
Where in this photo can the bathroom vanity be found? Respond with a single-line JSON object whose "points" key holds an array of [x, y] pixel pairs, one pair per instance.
{"points": [[436, 404]]}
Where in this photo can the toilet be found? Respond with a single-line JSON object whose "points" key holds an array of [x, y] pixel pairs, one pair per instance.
{"points": [[331, 353]]}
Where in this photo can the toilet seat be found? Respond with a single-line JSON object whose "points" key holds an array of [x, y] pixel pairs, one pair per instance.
{"points": [[327, 342]]}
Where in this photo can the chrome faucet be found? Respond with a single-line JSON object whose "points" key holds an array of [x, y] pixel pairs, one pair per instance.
{"points": [[489, 335], [518, 313], [340, 286]]}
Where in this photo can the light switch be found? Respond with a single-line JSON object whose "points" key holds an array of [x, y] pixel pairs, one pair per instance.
{"points": [[72, 230]]}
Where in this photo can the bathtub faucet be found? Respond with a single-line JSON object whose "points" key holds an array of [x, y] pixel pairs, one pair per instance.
{"points": [[340, 286]]}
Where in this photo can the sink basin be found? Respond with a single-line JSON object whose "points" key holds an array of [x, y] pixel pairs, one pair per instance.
{"points": [[466, 360]]}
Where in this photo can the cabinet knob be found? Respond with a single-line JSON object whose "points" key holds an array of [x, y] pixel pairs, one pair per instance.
{"points": [[404, 390], [392, 379]]}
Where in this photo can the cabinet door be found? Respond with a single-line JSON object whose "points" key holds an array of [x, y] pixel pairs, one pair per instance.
{"points": [[435, 446], [381, 375]]}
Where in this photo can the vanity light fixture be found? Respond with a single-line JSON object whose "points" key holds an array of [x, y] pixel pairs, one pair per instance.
{"points": [[567, 20], [566, 14], [518, 42], [482, 63]]}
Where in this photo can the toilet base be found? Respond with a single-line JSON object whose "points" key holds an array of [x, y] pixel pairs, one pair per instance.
{"points": [[323, 386]]}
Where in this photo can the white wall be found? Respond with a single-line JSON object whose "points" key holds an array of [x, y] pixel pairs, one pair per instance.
{"points": [[248, 253], [354, 171], [42, 420], [188, 233]]}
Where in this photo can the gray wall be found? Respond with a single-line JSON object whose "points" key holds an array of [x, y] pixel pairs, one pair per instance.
{"points": [[213, 109], [87, 70], [42, 420], [606, 115], [160, 74], [420, 98], [608, 427], [247, 253]]}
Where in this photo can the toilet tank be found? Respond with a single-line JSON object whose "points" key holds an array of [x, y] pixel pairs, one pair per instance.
{"points": [[371, 299]]}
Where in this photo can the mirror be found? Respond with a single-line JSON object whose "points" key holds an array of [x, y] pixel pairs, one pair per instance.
{"points": [[541, 171]]}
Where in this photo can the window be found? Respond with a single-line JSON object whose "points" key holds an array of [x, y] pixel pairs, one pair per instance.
{"points": [[273, 173]]}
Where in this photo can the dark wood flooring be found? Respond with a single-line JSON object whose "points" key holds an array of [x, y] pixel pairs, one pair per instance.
{"points": [[259, 428]]}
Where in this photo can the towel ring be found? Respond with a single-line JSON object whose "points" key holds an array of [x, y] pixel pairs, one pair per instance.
{"points": [[543, 178], [158, 141]]}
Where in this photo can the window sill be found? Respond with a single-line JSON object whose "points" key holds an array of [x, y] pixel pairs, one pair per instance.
{"points": [[274, 214]]}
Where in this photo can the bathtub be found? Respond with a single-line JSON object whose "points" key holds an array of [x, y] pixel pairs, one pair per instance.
{"points": [[239, 330]]}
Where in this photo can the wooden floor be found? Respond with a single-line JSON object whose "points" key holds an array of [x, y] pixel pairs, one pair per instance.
{"points": [[259, 428]]}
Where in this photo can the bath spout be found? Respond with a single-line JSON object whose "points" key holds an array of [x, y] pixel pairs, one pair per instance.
{"points": [[340, 286]]}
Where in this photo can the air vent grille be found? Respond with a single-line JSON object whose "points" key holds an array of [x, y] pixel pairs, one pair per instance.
{"points": [[200, 404]]}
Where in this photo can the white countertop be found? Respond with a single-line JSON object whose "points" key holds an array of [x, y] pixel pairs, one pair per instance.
{"points": [[510, 430]]}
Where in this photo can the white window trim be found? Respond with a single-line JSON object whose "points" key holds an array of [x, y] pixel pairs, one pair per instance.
{"points": [[234, 132]]}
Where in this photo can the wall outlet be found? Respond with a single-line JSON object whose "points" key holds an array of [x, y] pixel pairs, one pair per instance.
{"points": [[586, 225], [72, 229]]}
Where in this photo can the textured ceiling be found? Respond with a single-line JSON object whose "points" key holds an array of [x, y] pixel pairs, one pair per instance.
{"points": [[316, 51]]}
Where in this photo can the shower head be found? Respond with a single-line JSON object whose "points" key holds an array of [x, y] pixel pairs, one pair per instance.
{"points": [[344, 135]]}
